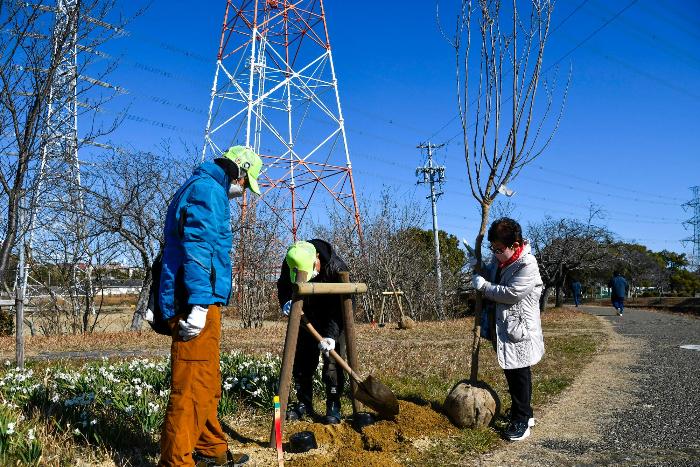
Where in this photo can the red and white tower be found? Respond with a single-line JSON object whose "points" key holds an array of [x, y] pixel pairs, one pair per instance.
{"points": [[275, 90]]}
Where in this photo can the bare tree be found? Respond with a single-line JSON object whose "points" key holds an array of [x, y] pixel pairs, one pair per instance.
{"points": [[510, 124], [640, 266], [393, 255], [568, 246], [70, 304], [126, 195], [256, 259]]}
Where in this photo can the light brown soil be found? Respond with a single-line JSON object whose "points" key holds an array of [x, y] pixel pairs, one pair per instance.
{"points": [[377, 444]]}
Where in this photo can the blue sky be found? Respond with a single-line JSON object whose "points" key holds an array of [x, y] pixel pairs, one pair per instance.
{"points": [[626, 141]]}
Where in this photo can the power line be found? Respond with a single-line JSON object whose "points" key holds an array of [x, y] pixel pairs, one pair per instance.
{"points": [[559, 25], [593, 33], [584, 206], [596, 182], [608, 195], [376, 158], [573, 12], [560, 59], [656, 40], [631, 219]]}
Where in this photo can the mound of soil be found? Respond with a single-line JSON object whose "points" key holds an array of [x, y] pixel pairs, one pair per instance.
{"points": [[377, 444]]}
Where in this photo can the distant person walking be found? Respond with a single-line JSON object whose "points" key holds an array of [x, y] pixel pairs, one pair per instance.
{"points": [[576, 292], [618, 291]]}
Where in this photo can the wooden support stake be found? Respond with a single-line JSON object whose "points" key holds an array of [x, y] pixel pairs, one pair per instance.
{"points": [[290, 349], [350, 341], [313, 288]]}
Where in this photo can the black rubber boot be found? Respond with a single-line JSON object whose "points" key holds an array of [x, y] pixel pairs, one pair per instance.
{"points": [[332, 406], [304, 405]]}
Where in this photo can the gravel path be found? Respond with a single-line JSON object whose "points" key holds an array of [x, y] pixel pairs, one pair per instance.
{"points": [[637, 403]]}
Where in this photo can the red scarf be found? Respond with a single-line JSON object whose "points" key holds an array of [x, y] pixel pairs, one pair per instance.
{"points": [[512, 259]]}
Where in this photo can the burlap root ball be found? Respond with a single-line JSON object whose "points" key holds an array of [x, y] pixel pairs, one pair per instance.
{"points": [[471, 404], [407, 323]]}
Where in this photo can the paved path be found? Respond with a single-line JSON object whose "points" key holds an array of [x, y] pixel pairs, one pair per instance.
{"points": [[638, 403]]}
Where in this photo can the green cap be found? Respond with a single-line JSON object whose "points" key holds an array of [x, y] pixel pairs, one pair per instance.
{"points": [[300, 257], [249, 161]]}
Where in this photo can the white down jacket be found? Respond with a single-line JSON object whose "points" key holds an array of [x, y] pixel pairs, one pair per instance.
{"points": [[519, 340]]}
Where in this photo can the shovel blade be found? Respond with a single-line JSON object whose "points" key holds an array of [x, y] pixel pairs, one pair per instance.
{"points": [[377, 396]]}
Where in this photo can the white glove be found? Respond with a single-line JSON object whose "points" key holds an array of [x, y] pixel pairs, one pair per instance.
{"points": [[478, 282], [194, 324], [286, 308], [469, 248], [326, 345]]}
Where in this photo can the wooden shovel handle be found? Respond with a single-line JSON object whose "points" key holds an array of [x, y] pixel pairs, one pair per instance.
{"points": [[333, 353]]}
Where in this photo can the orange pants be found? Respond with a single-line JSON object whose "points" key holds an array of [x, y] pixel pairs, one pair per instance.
{"points": [[191, 417]]}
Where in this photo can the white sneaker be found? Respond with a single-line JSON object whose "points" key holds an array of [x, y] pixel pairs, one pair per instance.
{"points": [[531, 422], [519, 435]]}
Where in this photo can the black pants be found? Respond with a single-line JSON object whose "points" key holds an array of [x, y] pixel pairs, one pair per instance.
{"points": [[520, 388], [306, 361]]}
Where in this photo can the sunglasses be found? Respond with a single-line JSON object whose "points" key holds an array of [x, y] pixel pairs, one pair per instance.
{"points": [[499, 251]]}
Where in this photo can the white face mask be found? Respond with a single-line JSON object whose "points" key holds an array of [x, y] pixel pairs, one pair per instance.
{"points": [[235, 191], [505, 256], [314, 272]]}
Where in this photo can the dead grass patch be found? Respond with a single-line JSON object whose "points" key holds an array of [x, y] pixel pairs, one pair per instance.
{"points": [[419, 364]]}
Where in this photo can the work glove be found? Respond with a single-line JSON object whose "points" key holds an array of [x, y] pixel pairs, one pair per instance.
{"points": [[469, 248], [286, 308], [478, 282], [195, 323], [471, 257], [326, 345]]}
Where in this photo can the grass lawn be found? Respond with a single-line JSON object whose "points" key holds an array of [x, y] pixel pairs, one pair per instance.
{"points": [[420, 365]]}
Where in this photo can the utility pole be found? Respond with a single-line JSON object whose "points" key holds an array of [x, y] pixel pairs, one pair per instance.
{"points": [[694, 223], [433, 174]]}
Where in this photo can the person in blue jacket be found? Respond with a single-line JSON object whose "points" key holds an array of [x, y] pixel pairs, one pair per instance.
{"points": [[576, 291], [195, 283], [618, 291]]}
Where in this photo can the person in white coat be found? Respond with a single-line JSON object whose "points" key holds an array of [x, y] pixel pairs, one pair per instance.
{"points": [[514, 284]]}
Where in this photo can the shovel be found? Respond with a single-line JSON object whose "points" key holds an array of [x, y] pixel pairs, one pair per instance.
{"points": [[369, 391]]}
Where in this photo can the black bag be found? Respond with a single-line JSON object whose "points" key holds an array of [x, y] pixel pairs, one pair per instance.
{"points": [[159, 324]]}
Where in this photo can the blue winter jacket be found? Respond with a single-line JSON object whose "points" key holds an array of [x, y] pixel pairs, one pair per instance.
{"points": [[619, 287], [196, 256]]}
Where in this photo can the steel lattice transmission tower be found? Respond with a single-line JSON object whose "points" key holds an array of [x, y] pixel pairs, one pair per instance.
{"points": [[694, 223], [59, 150], [275, 90]]}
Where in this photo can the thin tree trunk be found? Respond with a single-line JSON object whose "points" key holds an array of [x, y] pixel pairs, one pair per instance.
{"points": [[476, 345], [559, 296], [543, 299], [10, 233], [142, 302]]}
